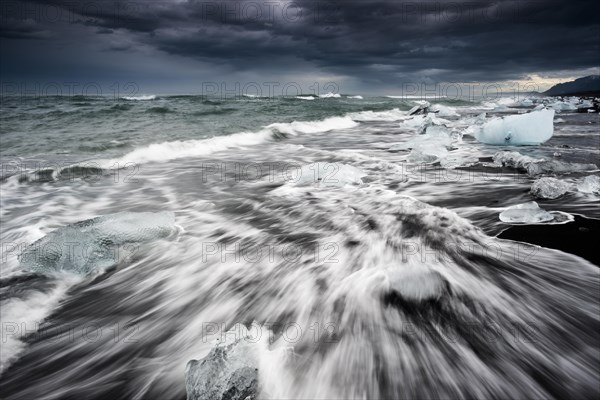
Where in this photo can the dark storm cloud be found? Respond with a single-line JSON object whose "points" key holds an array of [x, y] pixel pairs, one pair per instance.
{"points": [[375, 40]]}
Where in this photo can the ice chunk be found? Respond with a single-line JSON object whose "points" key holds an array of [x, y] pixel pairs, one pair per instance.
{"points": [[589, 184], [525, 129], [229, 371], [514, 159], [549, 188], [428, 153], [421, 122], [563, 106], [585, 104], [427, 148], [527, 213], [325, 174], [444, 111], [539, 166], [91, 245]]}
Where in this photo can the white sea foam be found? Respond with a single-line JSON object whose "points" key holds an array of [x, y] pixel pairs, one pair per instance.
{"points": [[165, 151], [355, 97], [22, 316], [330, 96], [325, 125], [389, 115], [305, 97], [139, 98]]}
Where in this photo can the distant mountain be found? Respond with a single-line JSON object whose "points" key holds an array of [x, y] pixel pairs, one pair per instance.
{"points": [[587, 85]]}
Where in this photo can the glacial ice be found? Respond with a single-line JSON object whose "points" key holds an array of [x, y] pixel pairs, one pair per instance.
{"points": [[326, 174], [421, 122], [444, 111], [428, 148], [525, 129], [427, 153], [539, 166], [589, 184], [563, 106], [229, 371], [527, 213], [90, 245], [549, 188]]}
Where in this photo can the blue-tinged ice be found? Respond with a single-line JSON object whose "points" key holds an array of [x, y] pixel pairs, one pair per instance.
{"points": [[589, 184], [91, 245], [549, 188], [525, 129], [229, 371], [527, 213], [324, 174]]}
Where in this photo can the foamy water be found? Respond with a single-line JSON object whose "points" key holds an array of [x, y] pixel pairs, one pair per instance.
{"points": [[358, 241]]}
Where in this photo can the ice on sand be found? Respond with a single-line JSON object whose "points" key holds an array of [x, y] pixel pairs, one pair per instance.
{"points": [[525, 129], [527, 213], [539, 166], [589, 184], [91, 245], [549, 188]]}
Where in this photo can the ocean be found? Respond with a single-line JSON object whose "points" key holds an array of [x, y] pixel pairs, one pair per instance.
{"points": [[361, 244]]}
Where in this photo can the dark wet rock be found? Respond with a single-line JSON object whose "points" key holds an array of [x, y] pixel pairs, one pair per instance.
{"points": [[577, 237]]}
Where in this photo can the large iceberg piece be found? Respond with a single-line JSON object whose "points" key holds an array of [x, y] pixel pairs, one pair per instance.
{"points": [[91, 245], [589, 184], [525, 129], [229, 371], [527, 213], [549, 188]]}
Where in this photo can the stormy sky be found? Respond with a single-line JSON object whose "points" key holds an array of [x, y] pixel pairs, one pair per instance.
{"points": [[359, 46]]}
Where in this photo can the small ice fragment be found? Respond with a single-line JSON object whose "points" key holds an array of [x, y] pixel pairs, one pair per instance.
{"points": [[563, 106], [527, 213], [589, 184], [549, 188], [444, 111], [527, 129], [325, 174], [428, 153]]}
